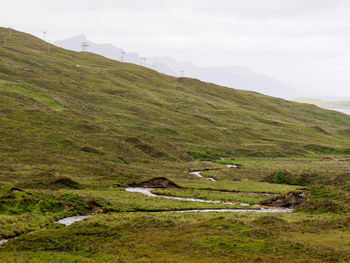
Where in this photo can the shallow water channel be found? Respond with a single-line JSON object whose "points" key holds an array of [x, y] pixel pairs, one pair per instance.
{"points": [[232, 166], [67, 221], [3, 241], [255, 208], [198, 173]]}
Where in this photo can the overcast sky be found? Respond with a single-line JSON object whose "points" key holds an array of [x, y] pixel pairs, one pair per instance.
{"points": [[304, 43]]}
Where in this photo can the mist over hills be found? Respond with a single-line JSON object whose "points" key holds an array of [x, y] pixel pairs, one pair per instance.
{"points": [[238, 77]]}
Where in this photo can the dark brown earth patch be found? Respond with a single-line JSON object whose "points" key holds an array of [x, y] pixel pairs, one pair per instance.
{"points": [[158, 182], [16, 190], [290, 200]]}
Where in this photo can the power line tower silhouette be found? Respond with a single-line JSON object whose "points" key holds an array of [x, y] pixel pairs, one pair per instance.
{"points": [[143, 61], [123, 56], [45, 33], [84, 46], [10, 30], [48, 46]]}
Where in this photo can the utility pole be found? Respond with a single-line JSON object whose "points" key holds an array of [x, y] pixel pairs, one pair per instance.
{"points": [[123, 55], [182, 73], [10, 30], [45, 33], [143, 61], [84, 46]]}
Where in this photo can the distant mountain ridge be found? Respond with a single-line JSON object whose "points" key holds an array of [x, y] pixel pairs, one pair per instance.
{"points": [[238, 77]]}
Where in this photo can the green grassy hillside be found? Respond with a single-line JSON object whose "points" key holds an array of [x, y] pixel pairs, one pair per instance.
{"points": [[77, 128], [83, 113]]}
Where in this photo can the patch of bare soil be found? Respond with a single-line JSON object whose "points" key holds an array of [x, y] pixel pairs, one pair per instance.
{"points": [[158, 182], [16, 190], [290, 200]]}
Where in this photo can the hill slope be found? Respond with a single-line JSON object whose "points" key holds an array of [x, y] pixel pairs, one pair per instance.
{"points": [[83, 112]]}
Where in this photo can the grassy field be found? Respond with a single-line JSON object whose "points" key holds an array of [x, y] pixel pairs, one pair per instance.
{"points": [[192, 237], [318, 231], [77, 128], [244, 197]]}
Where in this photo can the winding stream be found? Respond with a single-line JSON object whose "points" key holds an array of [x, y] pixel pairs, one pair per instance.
{"points": [[3, 241], [148, 192], [257, 208], [198, 173], [67, 221]]}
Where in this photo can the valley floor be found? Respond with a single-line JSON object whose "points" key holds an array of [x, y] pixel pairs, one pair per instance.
{"points": [[131, 227]]}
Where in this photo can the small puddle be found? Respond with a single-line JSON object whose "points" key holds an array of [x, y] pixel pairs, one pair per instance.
{"points": [[231, 166], [198, 173], [70, 220], [256, 208]]}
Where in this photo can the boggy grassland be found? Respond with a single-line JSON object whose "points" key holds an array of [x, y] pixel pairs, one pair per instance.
{"points": [[317, 231], [77, 129]]}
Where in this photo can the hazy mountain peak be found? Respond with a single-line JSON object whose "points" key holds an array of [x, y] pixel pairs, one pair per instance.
{"points": [[235, 76]]}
